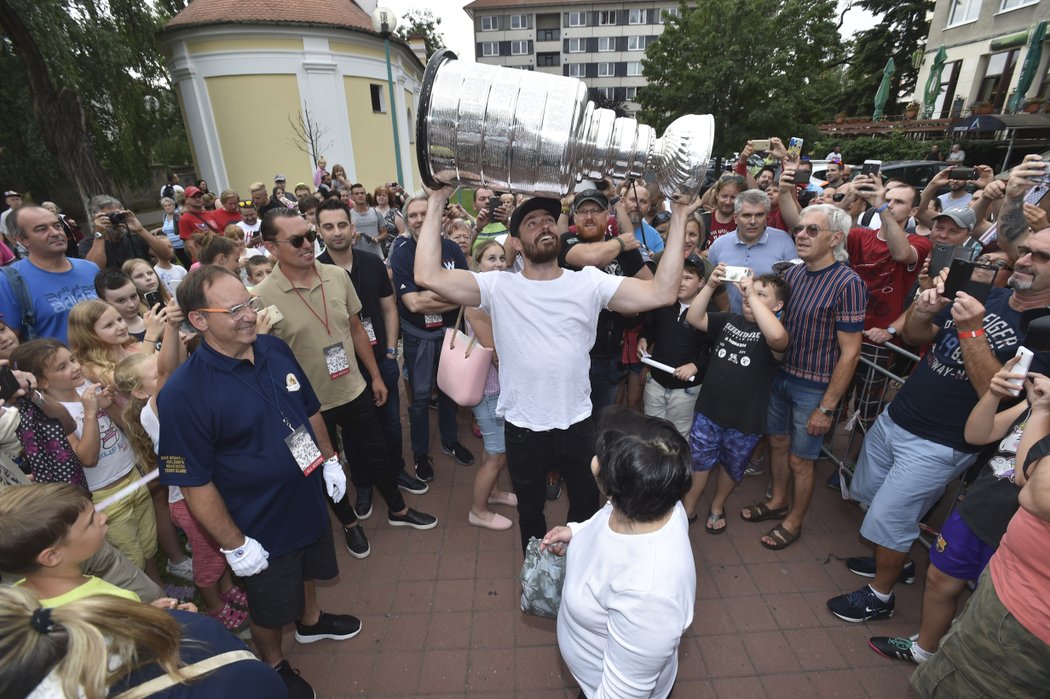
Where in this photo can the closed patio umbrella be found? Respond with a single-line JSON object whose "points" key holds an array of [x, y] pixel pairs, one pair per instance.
{"points": [[883, 93], [1028, 68], [933, 83]]}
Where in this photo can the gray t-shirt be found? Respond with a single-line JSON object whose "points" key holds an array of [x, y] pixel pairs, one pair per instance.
{"points": [[369, 225]]}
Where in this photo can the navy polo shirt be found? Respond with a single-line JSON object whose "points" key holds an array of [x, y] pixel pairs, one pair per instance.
{"points": [[220, 423]]}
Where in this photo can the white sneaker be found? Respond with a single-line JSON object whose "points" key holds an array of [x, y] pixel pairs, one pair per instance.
{"points": [[182, 570]]}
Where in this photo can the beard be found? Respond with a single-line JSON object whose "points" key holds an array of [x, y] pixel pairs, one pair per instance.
{"points": [[539, 255], [1021, 282]]}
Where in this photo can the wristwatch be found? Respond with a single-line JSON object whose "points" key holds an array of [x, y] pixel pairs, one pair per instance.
{"points": [[98, 234], [892, 331], [826, 411], [391, 352]]}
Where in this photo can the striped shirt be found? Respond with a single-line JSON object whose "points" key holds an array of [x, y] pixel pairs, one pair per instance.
{"points": [[822, 303]]}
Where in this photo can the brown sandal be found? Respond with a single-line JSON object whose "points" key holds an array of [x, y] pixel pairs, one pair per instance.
{"points": [[760, 512], [782, 537]]}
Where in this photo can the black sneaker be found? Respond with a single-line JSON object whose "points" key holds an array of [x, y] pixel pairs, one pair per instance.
{"points": [[334, 627], [862, 605], [893, 648], [411, 484], [553, 485], [424, 468], [864, 566], [363, 506], [357, 542], [297, 687], [460, 452], [412, 518]]}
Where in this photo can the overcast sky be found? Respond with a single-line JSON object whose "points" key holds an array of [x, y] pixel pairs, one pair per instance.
{"points": [[459, 32]]}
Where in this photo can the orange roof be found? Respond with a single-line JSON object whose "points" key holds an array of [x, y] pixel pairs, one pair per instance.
{"points": [[344, 14]]}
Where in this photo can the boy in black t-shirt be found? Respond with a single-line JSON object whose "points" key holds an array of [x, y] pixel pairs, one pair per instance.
{"points": [[731, 408]]}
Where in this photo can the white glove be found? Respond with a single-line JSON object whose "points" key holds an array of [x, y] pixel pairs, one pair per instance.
{"points": [[247, 559], [334, 478]]}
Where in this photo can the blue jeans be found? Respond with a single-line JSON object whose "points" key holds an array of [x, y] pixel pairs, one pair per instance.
{"points": [[389, 415], [606, 376], [423, 380]]}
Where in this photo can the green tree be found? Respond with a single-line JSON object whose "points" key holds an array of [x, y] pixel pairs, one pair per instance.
{"points": [[760, 67], [422, 23]]}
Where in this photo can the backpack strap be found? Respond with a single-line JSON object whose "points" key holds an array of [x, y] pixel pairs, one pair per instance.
{"points": [[21, 293], [190, 672]]}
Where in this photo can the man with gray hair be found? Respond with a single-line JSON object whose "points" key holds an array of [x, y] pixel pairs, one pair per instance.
{"points": [[118, 236], [753, 244], [824, 321]]}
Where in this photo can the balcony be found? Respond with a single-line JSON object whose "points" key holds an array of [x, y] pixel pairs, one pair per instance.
{"points": [[548, 35]]}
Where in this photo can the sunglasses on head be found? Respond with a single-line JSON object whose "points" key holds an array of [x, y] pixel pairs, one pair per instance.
{"points": [[812, 230], [296, 241]]}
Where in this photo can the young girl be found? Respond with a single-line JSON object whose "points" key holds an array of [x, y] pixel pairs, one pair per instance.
{"points": [[490, 258], [99, 336], [146, 281], [116, 288], [140, 377], [218, 250]]}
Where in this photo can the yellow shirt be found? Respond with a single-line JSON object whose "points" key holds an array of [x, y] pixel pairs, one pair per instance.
{"points": [[94, 586]]}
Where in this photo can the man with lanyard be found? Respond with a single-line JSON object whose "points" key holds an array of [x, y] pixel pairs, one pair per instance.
{"points": [[380, 320], [193, 220], [424, 317], [242, 434], [319, 307], [544, 320]]}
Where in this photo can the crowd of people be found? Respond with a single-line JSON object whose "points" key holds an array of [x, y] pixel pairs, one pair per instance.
{"points": [[254, 351]]}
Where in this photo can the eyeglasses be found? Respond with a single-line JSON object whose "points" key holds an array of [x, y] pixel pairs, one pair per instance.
{"points": [[590, 211], [238, 312], [997, 263], [296, 241], [811, 230], [661, 218]]}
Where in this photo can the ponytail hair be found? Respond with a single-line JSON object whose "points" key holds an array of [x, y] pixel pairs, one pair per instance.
{"points": [[127, 377], [212, 245]]}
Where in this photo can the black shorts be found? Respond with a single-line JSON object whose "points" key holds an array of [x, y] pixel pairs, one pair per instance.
{"points": [[275, 596]]}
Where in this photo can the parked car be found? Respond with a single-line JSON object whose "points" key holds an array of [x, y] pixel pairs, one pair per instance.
{"points": [[917, 173]]}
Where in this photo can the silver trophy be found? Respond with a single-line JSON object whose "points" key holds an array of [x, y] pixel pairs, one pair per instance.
{"points": [[519, 131]]}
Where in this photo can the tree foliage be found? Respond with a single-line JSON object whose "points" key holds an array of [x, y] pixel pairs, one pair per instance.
{"points": [[104, 56], [760, 67], [901, 31], [422, 23]]}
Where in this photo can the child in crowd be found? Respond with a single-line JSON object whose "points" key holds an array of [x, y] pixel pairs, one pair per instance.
{"points": [[118, 291], [8, 340], [146, 281], [491, 257], [259, 268], [99, 335], [731, 408], [218, 250], [46, 532], [672, 341]]}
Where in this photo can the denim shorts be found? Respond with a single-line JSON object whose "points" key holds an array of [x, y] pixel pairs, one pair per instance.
{"points": [[791, 403], [491, 425]]}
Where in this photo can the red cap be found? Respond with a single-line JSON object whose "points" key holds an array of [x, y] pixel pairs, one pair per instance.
{"points": [[192, 191]]}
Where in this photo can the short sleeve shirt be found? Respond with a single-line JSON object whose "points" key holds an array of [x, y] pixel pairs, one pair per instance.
{"points": [[53, 295], [222, 421], [372, 283], [403, 263], [191, 222], [741, 367], [773, 246], [888, 281]]}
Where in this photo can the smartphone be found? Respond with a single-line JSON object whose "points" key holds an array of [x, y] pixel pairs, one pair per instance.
{"points": [[794, 148], [760, 144], [9, 385], [275, 314], [802, 177], [962, 173], [1022, 367], [152, 298], [1044, 180], [871, 167], [943, 254], [736, 274], [970, 277]]}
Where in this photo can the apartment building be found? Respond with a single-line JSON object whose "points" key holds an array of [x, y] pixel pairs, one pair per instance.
{"points": [[601, 43], [987, 43]]}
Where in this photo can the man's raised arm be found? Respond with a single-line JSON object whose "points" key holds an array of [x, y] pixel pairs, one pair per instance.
{"points": [[455, 285]]}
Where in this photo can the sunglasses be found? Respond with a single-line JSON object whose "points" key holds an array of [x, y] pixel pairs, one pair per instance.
{"points": [[812, 230], [661, 218], [296, 241], [247, 204]]}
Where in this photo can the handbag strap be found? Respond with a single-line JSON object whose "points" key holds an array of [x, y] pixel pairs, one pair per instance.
{"points": [[455, 332], [190, 672]]}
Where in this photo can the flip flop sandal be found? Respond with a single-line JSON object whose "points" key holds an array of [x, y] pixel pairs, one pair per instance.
{"points": [[713, 519], [232, 618], [236, 597], [760, 512], [781, 537]]}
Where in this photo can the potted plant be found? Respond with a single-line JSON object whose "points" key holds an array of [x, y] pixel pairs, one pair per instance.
{"points": [[911, 110], [983, 108]]}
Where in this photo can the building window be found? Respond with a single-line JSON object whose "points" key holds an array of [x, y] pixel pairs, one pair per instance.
{"points": [[962, 11], [523, 67], [519, 21], [547, 59], [669, 12], [631, 93], [639, 17], [490, 48], [997, 76], [634, 68], [489, 24], [577, 70], [636, 43], [378, 98], [548, 35], [577, 19], [607, 18], [1014, 4], [577, 45], [606, 93], [606, 70], [606, 43], [519, 48]]}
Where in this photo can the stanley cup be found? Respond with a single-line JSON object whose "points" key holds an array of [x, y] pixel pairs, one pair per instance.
{"points": [[519, 131]]}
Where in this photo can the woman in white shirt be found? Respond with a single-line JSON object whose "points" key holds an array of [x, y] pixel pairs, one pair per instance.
{"points": [[630, 580]]}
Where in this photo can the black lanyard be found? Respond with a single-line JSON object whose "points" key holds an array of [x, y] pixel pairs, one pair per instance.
{"points": [[276, 400]]}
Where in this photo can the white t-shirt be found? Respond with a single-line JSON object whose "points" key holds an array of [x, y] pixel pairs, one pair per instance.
{"points": [[947, 202], [171, 277], [115, 457], [249, 229], [177, 190], [626, 601], [544, 331]]}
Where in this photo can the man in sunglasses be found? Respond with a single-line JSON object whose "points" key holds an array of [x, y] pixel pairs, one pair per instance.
{"points": [[323, 328]]}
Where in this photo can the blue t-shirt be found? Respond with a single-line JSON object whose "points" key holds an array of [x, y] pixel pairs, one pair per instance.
{"points": [[53, 294], [775, 245], [402, 265], [649, 237], [221, 422], [937, 398]]}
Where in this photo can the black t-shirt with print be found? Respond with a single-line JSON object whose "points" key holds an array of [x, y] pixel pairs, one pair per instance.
{"points": [[735, 392], [371, 283], [991, 500]]}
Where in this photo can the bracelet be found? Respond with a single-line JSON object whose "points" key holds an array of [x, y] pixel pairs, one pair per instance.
{"points": [[971, 334], [149, 341], [623, 247]]}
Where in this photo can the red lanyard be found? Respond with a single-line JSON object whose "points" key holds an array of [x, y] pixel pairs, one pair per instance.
{"points": [[324, 301]]}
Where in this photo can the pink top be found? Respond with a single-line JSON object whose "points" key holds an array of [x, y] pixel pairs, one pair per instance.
{"points": [[1020, 571], [6, 255]]}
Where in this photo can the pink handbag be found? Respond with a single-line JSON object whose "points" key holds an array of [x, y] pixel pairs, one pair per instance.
{"points": [[463, 367]]}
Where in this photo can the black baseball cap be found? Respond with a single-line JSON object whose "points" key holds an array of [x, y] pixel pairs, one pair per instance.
{"points": [[551, 206]]}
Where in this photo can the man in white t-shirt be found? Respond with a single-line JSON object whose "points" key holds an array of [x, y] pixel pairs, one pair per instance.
{"points": [[544, 322]]}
